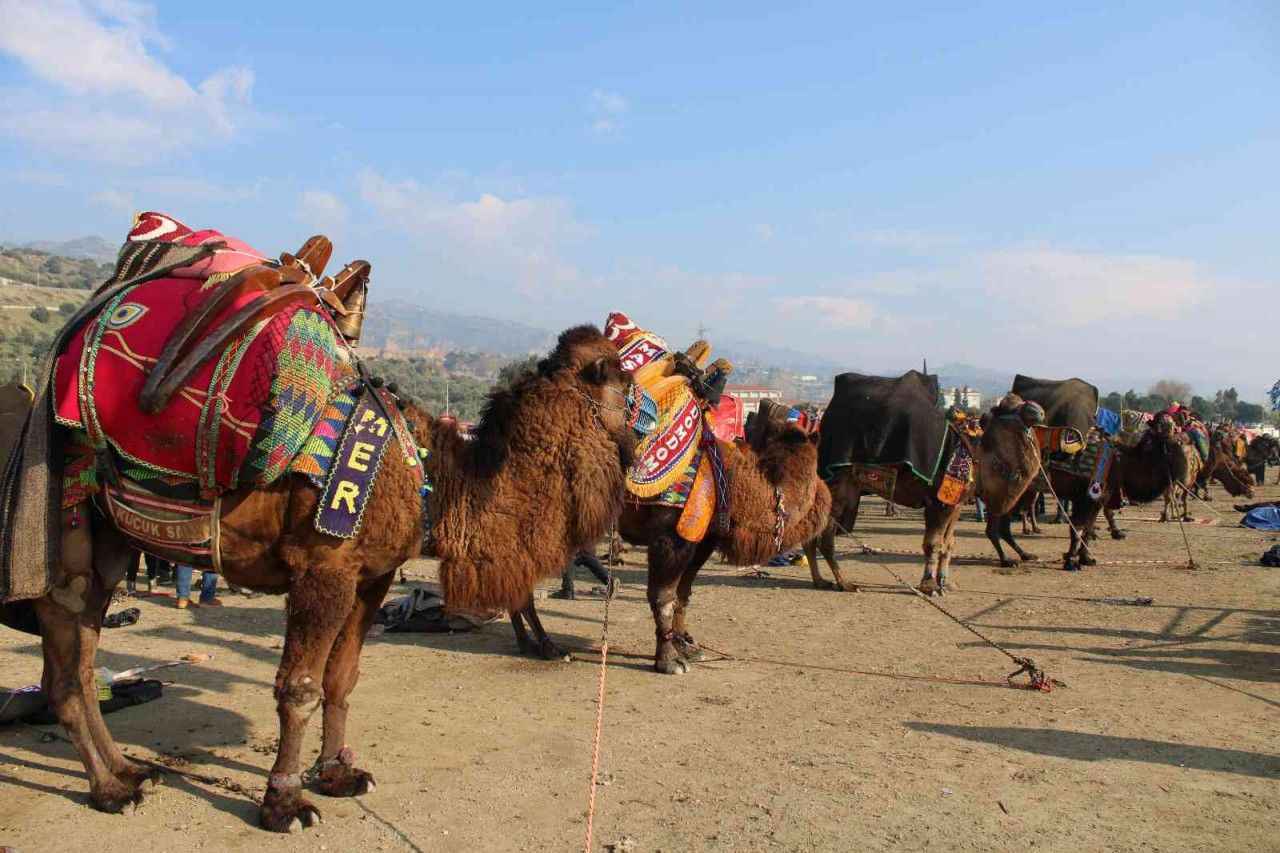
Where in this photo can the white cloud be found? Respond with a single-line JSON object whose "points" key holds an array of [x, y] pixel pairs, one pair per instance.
{"points": [[102, 91], [518, 242], [322, 209], [835, 312], [906, 239], [607, 111], [1056, 287], [117, 201]]}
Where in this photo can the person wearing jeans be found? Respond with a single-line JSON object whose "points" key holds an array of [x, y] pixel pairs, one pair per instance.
{"points": [[182, 584]]}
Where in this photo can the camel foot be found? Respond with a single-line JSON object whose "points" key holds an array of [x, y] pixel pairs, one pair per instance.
{"points": [[1188, 517], [339, 777], [123, 795], [929, 586], [1028, 557], [286, 810], [547, 650], [687, 648], [1006, 563], [671, 666], [565, 593], [823, 583], [1119, 534], [1088, 560]]}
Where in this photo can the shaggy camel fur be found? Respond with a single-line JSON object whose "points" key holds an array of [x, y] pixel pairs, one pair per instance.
{"points": [[777, 457], [542, 480], [1006, 461], [269, 543]]}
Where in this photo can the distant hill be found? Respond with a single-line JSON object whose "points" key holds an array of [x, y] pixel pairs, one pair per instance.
{"points": [[991, 383], [25, 265], [396, 325], [90, 248]]}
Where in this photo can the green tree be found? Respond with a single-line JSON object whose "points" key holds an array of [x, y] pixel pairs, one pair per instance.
{"points": [[40, 314], [1113, 401], [66, 309], [1225, 401], [1250, 413], [513, 370]]}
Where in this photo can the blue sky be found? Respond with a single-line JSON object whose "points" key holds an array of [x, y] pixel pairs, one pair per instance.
{"points": [[1091, 191]]}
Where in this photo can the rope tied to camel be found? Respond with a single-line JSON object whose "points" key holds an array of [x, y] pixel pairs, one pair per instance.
{"points": [[595, 742], [1037, 678]]}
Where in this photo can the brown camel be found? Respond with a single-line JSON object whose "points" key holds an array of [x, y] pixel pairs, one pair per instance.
{"points": [[1179, 491], [541, 481], [547, 465], [1224, 466], [1141, 473], [773, 480], [1006, 457], [1264, 450]]}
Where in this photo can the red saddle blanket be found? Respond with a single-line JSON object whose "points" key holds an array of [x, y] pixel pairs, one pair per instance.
{"points": [[241, 417]]}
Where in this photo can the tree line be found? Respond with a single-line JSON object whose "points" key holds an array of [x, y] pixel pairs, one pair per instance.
{"points": [[1225, 405]]}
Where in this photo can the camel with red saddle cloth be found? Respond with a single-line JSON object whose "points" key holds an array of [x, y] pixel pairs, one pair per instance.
{"points": [[207, 405]]}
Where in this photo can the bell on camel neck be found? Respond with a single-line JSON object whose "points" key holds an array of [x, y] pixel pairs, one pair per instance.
{"points": [[352, 321]]}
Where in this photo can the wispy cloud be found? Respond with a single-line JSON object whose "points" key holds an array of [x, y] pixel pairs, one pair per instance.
{"points": [[515, 243], [322, 209], [1065, 288], [833, 312], [608, 110], [100, 91]]}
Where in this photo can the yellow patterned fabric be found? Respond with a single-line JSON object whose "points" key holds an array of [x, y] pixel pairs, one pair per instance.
{"points": [[665, 454], [700, 506]]}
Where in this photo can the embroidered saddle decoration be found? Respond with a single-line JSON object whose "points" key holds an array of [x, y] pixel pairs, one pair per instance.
{"points": [[678, 464]]}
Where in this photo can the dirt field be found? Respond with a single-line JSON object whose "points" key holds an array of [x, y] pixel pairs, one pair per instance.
{"points": [[1166, 737]]}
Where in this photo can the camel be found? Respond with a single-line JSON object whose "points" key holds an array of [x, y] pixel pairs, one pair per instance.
{"points": [[1180, 489], [1007, 460], [1140, 473], [540, 481], [776, 502], [1264, 450], [1224, 466], [544, 472]]}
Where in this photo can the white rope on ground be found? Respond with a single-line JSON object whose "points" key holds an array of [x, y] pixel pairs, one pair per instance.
{"points": [[595, 746]]}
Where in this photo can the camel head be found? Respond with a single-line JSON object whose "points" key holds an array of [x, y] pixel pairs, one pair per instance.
{"points": [[582, 385], [782, 446]]}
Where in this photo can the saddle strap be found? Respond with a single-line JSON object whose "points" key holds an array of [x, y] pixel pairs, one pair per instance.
{"points": [[180, 341], [163, 385]]}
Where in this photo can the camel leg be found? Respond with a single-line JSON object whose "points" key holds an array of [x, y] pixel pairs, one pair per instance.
{"points": [[1170, 502], [335, 772], [1006, 533], [686, 646], [63, 683], [112, 557], [668, 557], [827, 544], [320, 602], [934, 532], [993, 536], [567, 591], [526, 645], [1112, 526], [542, 645], [948, 547]]}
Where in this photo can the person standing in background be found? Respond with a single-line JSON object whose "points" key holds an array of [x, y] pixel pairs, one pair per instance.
{"points": [[182, 588]]}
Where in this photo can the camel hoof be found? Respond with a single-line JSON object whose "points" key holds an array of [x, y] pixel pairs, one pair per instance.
{"points": [[1119, 534], [120, 799], [844, 586], [1007, 564], [672, 666], [1028, 557], [564, 594], [1087, 560], [823, 583], [344, 781], [287, 812], [688, 649], [550, 651]]}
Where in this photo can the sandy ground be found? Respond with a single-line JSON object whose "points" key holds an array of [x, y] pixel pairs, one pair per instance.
{"points": [[1166, 737]]}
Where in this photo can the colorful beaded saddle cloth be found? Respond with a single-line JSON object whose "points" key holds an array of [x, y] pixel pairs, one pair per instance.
{"points": [[222, 374], [678, 464]]}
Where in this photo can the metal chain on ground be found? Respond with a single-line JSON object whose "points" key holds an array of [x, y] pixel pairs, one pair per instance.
{"points": [[1038, 678], [595, 745]]}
